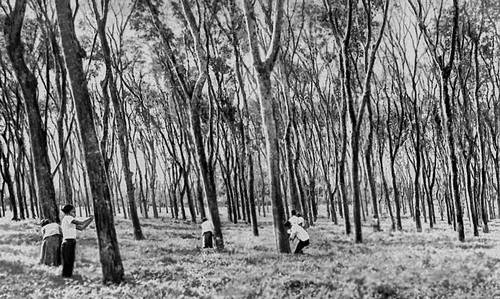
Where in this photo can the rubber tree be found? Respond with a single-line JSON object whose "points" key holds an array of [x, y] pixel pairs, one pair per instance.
{"points": [[268, 108], [112, 267], [28, 82], [123, 141], [192, 93], [445, 67]]}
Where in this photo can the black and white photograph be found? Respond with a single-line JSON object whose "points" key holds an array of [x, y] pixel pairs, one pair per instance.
{"points": [[249, 149]]}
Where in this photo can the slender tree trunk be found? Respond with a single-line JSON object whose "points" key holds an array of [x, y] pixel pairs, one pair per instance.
{"points": [[152, 179], [472, 201], [482, 145], [189, 197], [122, 134], [452, 158], [416, 184], [199, 197], [251, 196], [395, 189], [207, 173], [356, 187], [343, 172], [369, 172]]}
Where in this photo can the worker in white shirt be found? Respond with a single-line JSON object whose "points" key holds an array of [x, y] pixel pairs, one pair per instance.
{"points": [[207, 233], [50, 253], [297, 231], [69, 226], [296, 219]]}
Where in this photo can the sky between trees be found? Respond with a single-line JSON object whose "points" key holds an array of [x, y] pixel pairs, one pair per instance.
{"points": [[369, 109]]}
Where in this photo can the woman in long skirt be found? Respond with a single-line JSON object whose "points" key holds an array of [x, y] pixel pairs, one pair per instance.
{"points": [[50, 253]]}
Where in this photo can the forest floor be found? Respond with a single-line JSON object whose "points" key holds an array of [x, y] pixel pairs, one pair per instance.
{"points": [[170, 264]]}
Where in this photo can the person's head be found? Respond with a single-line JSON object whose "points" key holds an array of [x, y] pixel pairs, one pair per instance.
{"points": [[294, 213], [69, 210], [44, 222], [288, 224], [203, 220]]}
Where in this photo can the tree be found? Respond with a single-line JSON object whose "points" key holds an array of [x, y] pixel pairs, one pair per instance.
{"points": [[119, 115], [445, 68], [27, 80], [192, 93], [268, 108], [111, 262]]}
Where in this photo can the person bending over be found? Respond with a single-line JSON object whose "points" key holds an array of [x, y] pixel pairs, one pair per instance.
{"points": [[50, 253], [69, 226], [296, 231], [207, 232], [296, 219]]}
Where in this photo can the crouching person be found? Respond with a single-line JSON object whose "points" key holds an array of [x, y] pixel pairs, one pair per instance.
{"points": [[207, 233], [50, 253], [297, 231]]}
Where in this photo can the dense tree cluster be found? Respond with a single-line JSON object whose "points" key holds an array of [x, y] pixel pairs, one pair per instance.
{"points": [[368, 109]]}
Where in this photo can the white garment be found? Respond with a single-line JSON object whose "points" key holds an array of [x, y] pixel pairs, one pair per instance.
{"points": [[51, 229], [294, 220], [299, 232], [207, 226], [68, 228]]}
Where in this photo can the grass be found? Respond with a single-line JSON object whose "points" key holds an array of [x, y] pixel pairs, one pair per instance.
{"points": [[170, 264]]}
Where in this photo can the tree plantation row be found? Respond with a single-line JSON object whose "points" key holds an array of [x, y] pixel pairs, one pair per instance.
{"points": [[368, 109]]}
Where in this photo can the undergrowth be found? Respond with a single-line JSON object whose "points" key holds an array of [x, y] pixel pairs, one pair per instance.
{"points": [[171, 264]]}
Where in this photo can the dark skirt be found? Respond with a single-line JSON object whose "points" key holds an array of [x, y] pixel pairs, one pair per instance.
{"points": [[50, 253], [208, 240]]}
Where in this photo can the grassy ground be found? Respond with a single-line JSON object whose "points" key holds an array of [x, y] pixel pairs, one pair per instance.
{"points": [[170, 264]]}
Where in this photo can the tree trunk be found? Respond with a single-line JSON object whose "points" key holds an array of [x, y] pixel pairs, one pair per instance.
{"points": [[112, 267], [207, 173], [268, 108], [28, 82], [251, 196], [470, 194], [452, 158], [369, 172], [356, 186], [395, 189], [189, 197], [416, 183], [482, 145], [122, 134], [199, 197]]}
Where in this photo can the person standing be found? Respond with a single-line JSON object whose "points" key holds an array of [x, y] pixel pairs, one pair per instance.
{"points": [[69, 226]]}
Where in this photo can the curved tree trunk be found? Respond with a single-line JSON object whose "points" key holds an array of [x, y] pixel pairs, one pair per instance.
{"points": [[121, 124], [28, 82]]}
